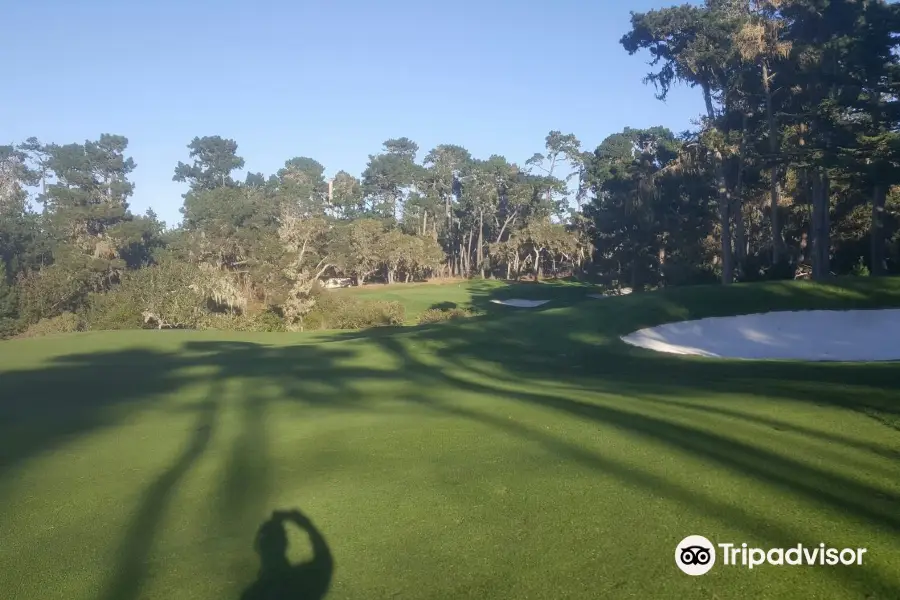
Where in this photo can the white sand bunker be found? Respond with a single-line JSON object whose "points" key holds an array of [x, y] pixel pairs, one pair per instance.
{"points": [[816, 335], [520, 303]]}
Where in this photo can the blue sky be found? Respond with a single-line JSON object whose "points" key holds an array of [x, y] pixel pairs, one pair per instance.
{"points": [[327, 79]]}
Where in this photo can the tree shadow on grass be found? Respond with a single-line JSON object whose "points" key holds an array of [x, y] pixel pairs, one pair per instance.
{"points": [[775, 424], [278, 579], [876, 505], [242, 489], [509, 359], [712, 398], [581, 346], [72, 395], [43, 407], [75, 395], [137, 541], [871, 504]]}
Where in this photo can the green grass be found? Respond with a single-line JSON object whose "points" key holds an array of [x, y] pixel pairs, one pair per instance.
{"points": [[523, 454], [472, 294]]}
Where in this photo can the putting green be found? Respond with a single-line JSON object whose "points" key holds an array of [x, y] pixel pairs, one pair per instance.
{"points": [[524, 454]]}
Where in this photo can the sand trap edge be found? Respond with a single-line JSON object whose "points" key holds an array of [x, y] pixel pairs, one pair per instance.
{"points": [[520, 303], [779, 335]]}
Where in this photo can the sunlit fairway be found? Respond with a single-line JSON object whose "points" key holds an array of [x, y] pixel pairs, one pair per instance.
{"points": [[522, 454], [474, 295]]}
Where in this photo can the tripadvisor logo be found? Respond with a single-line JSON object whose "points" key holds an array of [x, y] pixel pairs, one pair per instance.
{"points": [[696, 555]]}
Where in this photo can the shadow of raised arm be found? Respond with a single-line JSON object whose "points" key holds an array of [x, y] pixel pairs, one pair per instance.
{"points": [[278, 579]]}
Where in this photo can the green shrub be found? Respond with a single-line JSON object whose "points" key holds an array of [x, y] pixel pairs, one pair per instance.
{"points": [[337, 311], [9, 327], [236, 322], [225, 322], [64, 323], [268, 320], [393, 313], [264, 321], [59, 288], [314, 321], [116, 309], [860, 269], [436, 315]]}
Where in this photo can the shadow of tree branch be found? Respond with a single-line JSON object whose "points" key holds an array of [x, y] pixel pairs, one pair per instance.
{"points": [[137, 540]]}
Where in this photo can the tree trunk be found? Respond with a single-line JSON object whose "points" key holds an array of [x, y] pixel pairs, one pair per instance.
{"points": [[740, 235], [425, 223], [508, 269], [550, 174], [724, 222], [537, 265], [819, 226], [480, 249], [815, 227], [804, 247], [707, 99], [876, 231], [449, 219], [723, 196], [506, 222], [825, 223], [469, 252], [774, 188], [661, 255], [465, 255], [775, 217], [727, 262]]}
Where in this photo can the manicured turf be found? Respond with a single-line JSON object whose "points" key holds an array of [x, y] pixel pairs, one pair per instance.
{"points": [[524, 454], [473, 294]]}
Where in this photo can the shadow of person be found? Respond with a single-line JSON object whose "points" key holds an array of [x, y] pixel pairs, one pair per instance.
{"points": [[280, 580]]}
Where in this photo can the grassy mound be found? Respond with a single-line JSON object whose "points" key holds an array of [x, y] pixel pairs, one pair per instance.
{"points": [[520, 454]]}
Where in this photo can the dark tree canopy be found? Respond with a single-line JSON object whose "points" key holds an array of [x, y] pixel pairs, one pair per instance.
{"points": [[214, 160]]}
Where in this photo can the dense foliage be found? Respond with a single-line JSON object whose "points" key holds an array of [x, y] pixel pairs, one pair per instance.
{"points": [[794, 167], [793, 170]]}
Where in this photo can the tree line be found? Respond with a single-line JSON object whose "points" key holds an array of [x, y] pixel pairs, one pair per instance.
{"points": [[791, 171], [794, 166], [264, 243]]}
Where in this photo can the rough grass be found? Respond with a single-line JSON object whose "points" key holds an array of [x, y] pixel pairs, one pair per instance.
{"points": [[523, 454]]}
